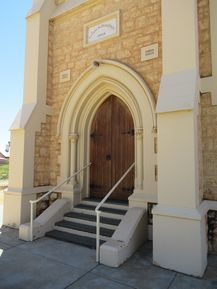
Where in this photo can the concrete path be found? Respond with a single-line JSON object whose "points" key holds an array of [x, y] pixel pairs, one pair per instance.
{"points": [[51, 264]]}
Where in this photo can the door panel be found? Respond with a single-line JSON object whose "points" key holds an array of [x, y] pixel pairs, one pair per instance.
{"points": [[111, 149], [100, 148], [122, 148]]}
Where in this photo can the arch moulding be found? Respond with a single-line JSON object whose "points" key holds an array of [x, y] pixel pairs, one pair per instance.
{"points": [[86, 95]]}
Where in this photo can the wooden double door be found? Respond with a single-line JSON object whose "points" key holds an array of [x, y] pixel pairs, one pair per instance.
{"points": [[111, 149]]}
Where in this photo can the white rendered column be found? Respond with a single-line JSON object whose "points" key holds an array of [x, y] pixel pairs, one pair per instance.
{"points": [[179, 232], [32, 114]]}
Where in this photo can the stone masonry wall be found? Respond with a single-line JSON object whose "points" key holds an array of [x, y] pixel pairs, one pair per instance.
{"points": [[204, 38], [42, 155], [46, 202], [140, 26], [208, 124], [209, 142], [208, 111]]}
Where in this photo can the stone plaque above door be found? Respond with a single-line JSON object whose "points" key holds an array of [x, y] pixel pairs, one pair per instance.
{"points": [[102, 29]]}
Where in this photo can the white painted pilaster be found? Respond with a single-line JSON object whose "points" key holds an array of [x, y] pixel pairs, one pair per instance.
{"points": [[179, 235], [31, 115]]}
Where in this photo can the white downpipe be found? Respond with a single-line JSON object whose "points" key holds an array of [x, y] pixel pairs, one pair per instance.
{"points": [[98, 212], [48, 193]]}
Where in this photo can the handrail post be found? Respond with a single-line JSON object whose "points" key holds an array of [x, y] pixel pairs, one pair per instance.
{"points": [[31, 221], [98, 235]]}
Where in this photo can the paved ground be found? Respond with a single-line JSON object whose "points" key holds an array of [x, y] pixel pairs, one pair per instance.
{"points": [[51, 264]]}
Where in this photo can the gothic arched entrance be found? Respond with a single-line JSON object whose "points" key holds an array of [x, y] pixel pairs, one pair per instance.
{"points": [[112, 149], [85, 97]]}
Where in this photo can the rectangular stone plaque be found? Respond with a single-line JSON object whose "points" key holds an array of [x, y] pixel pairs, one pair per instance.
{"points": [[102, 29], [149, 52], [65, 75]]}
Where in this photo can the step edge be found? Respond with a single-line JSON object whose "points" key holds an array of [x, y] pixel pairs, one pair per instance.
{"points": [[82, 229], [91, 223], [93, 209], [106, 205], [103, 214], [85, 217], [76, 242], [80, 233]]}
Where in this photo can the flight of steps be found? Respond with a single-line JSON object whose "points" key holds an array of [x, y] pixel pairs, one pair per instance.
{"points": [[79, 225]]}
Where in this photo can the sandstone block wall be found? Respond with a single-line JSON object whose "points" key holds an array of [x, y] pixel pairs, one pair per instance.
{"points": [[209, 142], [46, 202], [208, 111], [204, 38], [140, 26]]}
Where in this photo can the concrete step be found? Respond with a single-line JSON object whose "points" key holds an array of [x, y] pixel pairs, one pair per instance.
{"points": [[106, 212], [85, 228], [77, 231], [80, 224], [91, 220], [75, 239], [121, 205]]}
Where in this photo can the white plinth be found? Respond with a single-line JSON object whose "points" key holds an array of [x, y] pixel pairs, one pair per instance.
{"points": [[179, 240]]}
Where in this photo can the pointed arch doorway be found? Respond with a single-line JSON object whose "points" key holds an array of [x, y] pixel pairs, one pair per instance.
{"points": [[86, 95], [112, 149]]}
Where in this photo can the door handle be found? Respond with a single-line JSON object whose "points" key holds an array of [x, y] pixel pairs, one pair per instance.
{"points": [[108, 157]]}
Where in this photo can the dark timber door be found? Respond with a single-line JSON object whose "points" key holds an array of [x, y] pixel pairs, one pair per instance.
{"points": [[111, 149]]}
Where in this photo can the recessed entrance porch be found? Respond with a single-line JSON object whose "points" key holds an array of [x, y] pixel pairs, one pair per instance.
{"points": [[90, 93]]}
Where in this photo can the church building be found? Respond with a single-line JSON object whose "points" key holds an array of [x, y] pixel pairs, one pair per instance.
{"points": [[120, 97]]}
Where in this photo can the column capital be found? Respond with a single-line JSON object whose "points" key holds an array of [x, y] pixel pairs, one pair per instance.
{"points": [[139, 133], [73, 137]]}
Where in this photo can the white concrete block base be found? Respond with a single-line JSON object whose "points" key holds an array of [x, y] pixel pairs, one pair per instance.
{"points": [[179, 239], [16, 208], [129, 236], [45, 222], [12, 209]]}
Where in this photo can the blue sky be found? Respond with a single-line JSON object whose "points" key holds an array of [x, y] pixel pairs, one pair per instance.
{"points": [[12, 50]]}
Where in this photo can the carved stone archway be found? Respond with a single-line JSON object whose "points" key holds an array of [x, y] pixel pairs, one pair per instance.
{"points": [[86, 95]]}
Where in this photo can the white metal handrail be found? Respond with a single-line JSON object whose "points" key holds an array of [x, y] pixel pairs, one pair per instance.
{"points": [[98, 212], [32, 202]]}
